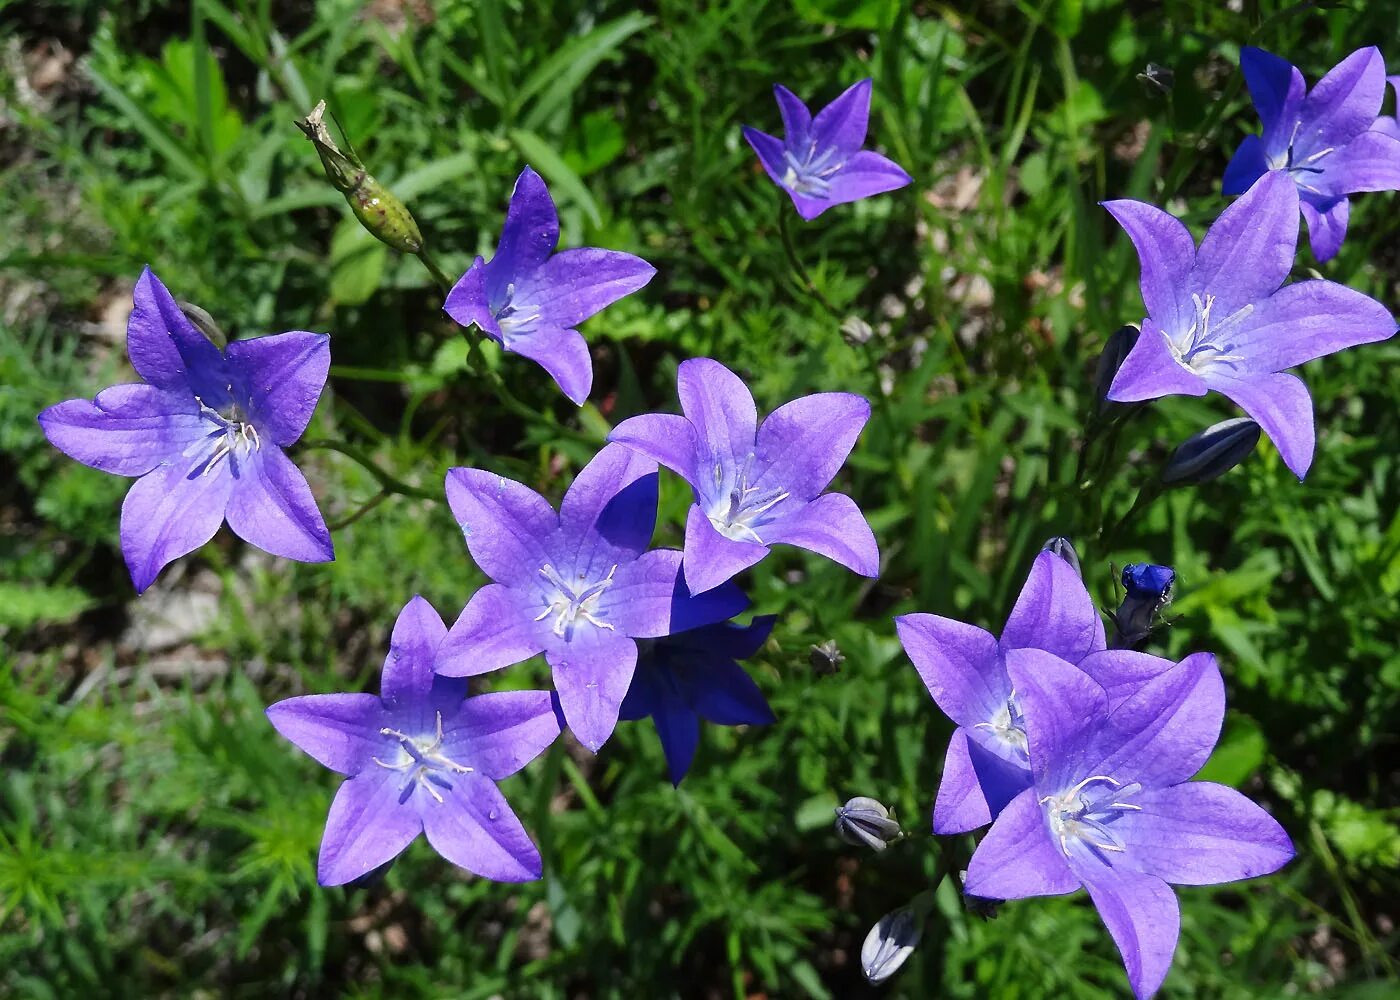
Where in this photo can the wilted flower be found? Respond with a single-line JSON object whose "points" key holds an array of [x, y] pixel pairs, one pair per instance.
{"points": [[1211, 453], [528, 298], [1323, 142], [865, 822], [819, 161], [756, 486], [1063, 548], [1218, 318], [1111, 807], [1148, 589], [422, 757], [205, 434], [578, 586], [683, 678], [890, 943]]}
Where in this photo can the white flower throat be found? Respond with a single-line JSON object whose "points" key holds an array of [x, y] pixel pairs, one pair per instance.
{"points": [[811, 174], [1084, 814], [569, 601], [1010, 726], [515, 318], [1205, 343], [231, 438], [422, 758], [745, 508]]}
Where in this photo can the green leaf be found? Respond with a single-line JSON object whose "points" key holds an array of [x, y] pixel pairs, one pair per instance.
{"points": [[26, 605], [873, 15], [816, 812], [565, 71], [357, 263], [1241, 750]]}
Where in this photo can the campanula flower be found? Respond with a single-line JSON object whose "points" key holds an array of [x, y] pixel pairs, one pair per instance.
{"points": [[578, 586], [1218, 319], [1111, 807], [756, 486], [693, 675], [529, 299], [1323, 141], [964, 669], [819, 161], [204, 434], [422, 757], [1147, 589]]}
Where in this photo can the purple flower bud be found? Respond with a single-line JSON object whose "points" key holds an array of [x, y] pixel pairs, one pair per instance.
{"points": [[890, 943], [1211, 453], [1063, 548], [1148, 590], [864, 822], [1115, 351]]}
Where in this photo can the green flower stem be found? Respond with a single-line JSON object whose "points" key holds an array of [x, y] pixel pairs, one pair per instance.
{"points": [[387, 483]]}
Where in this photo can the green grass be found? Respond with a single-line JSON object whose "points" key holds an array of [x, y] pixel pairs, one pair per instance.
{"points": [[157, 838]]}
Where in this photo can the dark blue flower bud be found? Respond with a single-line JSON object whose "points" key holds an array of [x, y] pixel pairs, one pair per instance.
{"points": [[1115, 352], [890, 943], [864, 822], [1148, 590], [1211, 453], [1063, 548]]}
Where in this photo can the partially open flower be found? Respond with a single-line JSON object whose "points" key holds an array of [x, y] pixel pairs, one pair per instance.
{"points": [[865, 822]]}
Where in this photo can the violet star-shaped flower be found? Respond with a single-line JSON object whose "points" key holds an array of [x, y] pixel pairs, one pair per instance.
{"points": [[1111, 808], [529, 299], [1218, 319], [964, 668], [578, 586], [756, 486], [204, 434], [1324, 141], [819, 161], [422, 757], [692, 675]]}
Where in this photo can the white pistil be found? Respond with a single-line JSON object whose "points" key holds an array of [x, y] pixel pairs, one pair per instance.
{"points": [[1071, 816], [422, 757], [741, 513], [568, 602]]}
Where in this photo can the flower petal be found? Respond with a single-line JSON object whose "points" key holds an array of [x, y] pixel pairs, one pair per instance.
{"points": [[721, 408], [803, 443], [469, 303], [367, 827], [340, 731], [475, 828], [271, 506], [1017, 858], [960, 665], [1327, 228], [576, 284], [678, 729], [1151, 371], [592, 675], [148, 342], [1343, 104], [648, 598], [531, 230], [501, 732], [506, 525], [1064, 710], [720, 691], [770, 155], [866, 174], [797, 120], [563, 354], [168, 513], [1281, 405], [1307, 320], [1249, 250], [609, 512], [496, 629], [1054, 612], [843, 123], [1370, 162], [1277, 89], [832, 526], [738, 642], [1164, 733], [283, 376], [1247, 165], [1165, 253], [976, 786], [407, 676], [127, 430], [665, 438], [1201, 833], [712, 558], [1121, 672], [1144, 920]]}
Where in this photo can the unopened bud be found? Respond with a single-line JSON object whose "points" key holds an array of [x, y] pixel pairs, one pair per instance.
{"points": [[1063, 548], [890, 943], [1115, 352], [204, 323], [1158, 79], [1211, 453], [856, 330], [1149, 590], [826, 658], [865, 822], [383, 215]]}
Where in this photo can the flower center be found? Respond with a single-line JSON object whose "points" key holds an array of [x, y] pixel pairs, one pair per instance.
{"points": [[568, 601], [811, 173], [231, 438], [745, 508], [514, 318], [1083, 813], [1010, 725], [1205, 344], [1301, 169], [422, 758]]}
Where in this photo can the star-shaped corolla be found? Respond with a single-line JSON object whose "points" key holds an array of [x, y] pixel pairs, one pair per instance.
{"points": [[204, 434], [529, 299], [1219, 316], [1111, 807], [422, 757], [756, 486], [819, 161], [578, 586], [1324, 140], [964, 668], [694, 675]]}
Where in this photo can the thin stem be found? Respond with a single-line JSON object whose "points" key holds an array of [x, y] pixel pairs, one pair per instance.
{"points": [[364, 509], [386, 482], [444, 283]]}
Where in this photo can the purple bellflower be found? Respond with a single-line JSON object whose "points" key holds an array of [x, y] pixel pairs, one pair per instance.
{"points": [[204, 435], [1112, 809], [819, 161], [528, 298], [756, 486], [422, 757], [688, 676], [1219, 316], [578, 586], [964, 668], [1324, 141]]}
